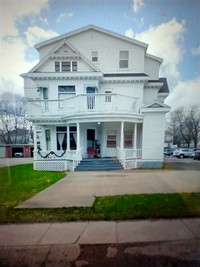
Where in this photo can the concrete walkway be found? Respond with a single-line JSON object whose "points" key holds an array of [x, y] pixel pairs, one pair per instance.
{"points": [[101, 243], [99, 232], [80, 188]]}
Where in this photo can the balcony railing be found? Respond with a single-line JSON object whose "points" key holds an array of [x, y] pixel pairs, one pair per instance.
{"points": [[85, 103]]}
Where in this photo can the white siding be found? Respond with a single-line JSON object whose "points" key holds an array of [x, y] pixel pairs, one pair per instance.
{"points": [[153, 136]]}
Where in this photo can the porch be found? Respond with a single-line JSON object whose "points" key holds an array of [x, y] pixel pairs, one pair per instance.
{"points": [[83, 104]]}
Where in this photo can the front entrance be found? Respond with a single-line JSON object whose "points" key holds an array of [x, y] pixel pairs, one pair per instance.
{"points": [[90, 138]]}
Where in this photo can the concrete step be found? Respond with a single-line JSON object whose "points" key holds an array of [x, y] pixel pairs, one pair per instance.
{"points": [[99, 164]]}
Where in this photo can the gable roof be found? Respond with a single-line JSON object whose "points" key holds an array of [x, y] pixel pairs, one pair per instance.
{"points": [[73, 52], [87, 28]]}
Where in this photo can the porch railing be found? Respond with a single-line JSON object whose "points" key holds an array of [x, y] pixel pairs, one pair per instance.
{"points": [[128, 154], [85, 103]]}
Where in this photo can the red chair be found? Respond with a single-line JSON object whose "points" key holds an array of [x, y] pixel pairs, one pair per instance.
{"points": [[90, 151]]}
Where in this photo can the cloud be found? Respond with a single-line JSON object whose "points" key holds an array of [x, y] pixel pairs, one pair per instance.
{"points": [[185, 94], [36, 34], [12, 11], [196, 51], [129, 33], [137, 4], [12, 64], [63, 16], [165, 41]]}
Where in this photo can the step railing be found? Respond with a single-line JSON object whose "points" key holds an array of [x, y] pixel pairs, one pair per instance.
{"points": [[76, 158]]}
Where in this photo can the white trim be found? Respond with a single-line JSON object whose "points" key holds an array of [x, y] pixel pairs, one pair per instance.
{"points": [[87, 28]]}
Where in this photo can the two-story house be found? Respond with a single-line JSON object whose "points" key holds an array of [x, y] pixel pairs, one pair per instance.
{"points": [[95, 93]]}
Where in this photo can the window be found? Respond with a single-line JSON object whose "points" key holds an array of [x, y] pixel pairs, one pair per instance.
{"points": [[128, 141], [65, 91], [108, 96], [48, 139], [123, 59], [61, 133], [57, 66], [66, 66], [94, 56], [111, 140]]}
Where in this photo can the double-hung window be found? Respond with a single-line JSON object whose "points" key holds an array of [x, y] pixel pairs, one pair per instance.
{"points": [[123, 59], [94, 56], [66, 66]]}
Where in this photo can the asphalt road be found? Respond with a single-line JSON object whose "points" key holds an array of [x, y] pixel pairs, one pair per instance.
{"points": [[183, 164]]}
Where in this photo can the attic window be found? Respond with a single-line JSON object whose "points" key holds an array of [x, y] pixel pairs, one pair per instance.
{"points": [[65, 66], [123, 59], [94, 56]]}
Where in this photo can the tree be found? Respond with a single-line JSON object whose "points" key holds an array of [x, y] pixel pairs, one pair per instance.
{"points": [[13, 124], [184, 125]]}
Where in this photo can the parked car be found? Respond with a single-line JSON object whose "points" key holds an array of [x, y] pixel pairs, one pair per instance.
{"points": [[197, 154], [169, 151], [18, 155], [183, 153]]}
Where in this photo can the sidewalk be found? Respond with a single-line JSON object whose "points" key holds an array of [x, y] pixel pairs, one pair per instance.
{"points": [[48, 242]]}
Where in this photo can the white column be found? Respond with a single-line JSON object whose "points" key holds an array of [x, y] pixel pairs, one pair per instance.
{"points": [[135, 136], [78, 136], [68, 138], [35, 142], [122, 135]]}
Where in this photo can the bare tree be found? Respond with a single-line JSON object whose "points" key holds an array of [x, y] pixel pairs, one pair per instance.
{"points": [[184, 125], [12, 116]]}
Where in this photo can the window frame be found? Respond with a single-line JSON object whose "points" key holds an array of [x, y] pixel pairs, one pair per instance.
{"points": [[111, 140], [95, 56], [123, 60], [66, 66]]}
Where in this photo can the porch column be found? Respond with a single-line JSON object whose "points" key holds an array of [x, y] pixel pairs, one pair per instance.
{"points": [[122, 135], [135, 136], [35, 142], [78, 136], [68, 138]]}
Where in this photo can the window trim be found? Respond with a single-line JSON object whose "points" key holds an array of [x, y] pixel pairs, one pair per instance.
{"points": [[122, 59], [70, 65], [95, 56]]}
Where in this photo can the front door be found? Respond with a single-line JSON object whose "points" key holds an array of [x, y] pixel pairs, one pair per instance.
{"points": [[90, 137]]}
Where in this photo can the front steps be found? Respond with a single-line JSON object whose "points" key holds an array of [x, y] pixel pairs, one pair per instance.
{"points": [[99, 164]]}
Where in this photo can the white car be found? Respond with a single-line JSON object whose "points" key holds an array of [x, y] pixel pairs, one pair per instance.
{"points": [[18, 155], [183, 153]]}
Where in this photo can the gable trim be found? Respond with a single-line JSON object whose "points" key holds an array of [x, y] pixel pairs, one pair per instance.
{"points": [[90, 27]]}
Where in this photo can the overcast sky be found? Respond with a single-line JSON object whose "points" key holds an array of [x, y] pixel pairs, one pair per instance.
{"points": [[170, 27]]}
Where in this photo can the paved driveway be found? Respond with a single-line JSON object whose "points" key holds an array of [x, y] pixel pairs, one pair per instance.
{"points": [[80, 188]]}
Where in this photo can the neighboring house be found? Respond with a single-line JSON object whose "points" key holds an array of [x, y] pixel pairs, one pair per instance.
{"points": [[95, 93]]}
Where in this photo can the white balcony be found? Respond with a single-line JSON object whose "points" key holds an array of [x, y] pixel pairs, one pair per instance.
{"points": [[83, 104]]}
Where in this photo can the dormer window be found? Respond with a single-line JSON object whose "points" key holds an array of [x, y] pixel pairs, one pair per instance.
{"points": [[94, 56], [123, 59], [65, 66]]}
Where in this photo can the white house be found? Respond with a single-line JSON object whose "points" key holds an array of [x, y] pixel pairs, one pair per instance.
{"points": [[95, 93]]}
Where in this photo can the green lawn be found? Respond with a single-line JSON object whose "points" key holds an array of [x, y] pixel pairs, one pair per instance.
{"points": [[18, 183]]}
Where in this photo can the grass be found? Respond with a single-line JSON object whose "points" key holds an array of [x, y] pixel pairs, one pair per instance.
{"points": [[21, 182]]}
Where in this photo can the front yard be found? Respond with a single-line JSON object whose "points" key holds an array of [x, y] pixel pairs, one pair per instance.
{"points": [[18, 183]]}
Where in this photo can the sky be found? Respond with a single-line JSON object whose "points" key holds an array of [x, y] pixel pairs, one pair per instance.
{"points": [[171, 28]]}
